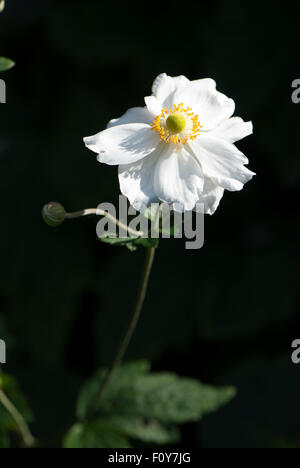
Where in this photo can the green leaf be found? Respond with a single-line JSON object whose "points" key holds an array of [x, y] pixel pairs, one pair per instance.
{"points": [[146, 242], [146, 405], [130, 242], [6, 64], [146, 430], [96, 434], [172, 399], [124, 376], [117, 240]]}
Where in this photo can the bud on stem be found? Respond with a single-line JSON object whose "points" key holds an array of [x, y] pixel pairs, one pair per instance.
{"points": [[53, 214]]}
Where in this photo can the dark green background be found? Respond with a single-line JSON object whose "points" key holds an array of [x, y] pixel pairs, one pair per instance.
{"points": [[226, 314]]}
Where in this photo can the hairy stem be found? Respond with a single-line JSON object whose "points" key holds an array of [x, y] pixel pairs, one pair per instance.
{"points": [[97, 212]]}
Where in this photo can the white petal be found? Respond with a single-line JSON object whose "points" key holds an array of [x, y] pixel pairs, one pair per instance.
{"points": [[133, 115], [210, 197], [211, 106], [165, 86], [221, 161], [153, 105], [136, 181], [123, 144], [177, 178], [233, 129]]}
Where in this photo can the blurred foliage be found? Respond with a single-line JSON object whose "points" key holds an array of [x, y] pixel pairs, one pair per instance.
{"points": [[8, 425], [97, 434], [140, 405], [5, 64], [65, 297]]}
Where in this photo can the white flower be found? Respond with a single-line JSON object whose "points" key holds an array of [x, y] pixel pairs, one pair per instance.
{"points": [[179, 148]]}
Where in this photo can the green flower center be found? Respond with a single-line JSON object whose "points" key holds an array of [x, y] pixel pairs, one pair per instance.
{"points": [[176, 123]]}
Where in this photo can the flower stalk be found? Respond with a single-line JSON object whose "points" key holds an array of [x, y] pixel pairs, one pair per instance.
{"points": [[99, 212], [133, 320], [54, 215]]}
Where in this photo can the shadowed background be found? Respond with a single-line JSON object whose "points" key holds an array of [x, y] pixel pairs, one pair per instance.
{"points": [[225, 314]]}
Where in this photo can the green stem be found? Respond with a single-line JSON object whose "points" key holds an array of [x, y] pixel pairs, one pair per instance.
{"points": [[28, 438], [132, 323]]}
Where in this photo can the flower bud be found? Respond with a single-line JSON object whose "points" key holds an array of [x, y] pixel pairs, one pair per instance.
{"points": [[2, 5], [53, 214]]}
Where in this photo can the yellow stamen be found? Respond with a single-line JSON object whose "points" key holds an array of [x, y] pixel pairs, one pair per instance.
{"points": [[179, 120]]}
